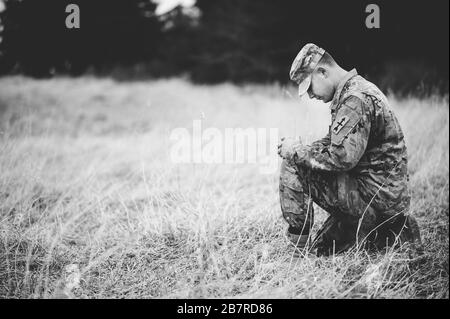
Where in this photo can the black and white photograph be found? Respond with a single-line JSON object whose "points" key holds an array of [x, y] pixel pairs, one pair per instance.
{"points": [[250, 150]]}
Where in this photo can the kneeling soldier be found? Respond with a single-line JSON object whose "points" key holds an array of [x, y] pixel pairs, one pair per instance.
{"points": [[357, 172]]}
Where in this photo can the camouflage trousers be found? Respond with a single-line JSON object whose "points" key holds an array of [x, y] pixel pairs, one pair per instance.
{"points": [[351, 220]]}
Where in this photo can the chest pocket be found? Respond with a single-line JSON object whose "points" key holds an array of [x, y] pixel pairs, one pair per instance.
{"points": [[345, 123]]}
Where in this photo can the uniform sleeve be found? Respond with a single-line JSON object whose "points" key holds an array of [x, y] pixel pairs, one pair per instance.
{"points": [[348, 137], [323, 142]]}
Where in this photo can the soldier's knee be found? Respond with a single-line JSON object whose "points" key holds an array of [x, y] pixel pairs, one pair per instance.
{"points": [[285, 167]]}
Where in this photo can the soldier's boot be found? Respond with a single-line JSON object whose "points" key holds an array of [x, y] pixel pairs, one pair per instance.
{"points": [[333, 237], [299, 241], [398, 231], [301, 244], [412, 234], [296, 206]]}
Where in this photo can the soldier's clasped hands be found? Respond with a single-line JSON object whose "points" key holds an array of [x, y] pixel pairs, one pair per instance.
{"points": [[288, 146]]}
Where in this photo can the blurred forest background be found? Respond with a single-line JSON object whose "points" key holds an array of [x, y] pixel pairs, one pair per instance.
{"points": [[227, 40]]}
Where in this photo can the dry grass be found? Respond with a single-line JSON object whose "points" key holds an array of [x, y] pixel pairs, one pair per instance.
{"points": [[85, 179]]}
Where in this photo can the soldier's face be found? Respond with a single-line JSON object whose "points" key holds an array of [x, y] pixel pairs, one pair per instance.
{"points": [[321, 87]]}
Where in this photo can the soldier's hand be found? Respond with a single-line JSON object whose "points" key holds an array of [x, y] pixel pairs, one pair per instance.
{"points": [[288, 146]]}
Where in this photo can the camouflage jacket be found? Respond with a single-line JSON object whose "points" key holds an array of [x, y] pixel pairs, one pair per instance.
{"points": [[365, 140]]}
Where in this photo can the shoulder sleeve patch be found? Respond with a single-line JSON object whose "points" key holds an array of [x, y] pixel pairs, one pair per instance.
{"points": [[340, 123], [347, 119]]}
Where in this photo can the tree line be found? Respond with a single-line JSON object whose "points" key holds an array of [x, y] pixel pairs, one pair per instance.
{"points": [[227, 40]]}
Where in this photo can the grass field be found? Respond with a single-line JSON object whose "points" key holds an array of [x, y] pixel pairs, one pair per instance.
{"points": [[86, 183]]}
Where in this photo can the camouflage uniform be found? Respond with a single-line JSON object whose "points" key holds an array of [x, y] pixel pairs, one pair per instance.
{"points": [[357, 173]]}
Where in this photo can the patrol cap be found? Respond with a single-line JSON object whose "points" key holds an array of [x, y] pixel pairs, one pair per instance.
{"points": [[304, 64]]}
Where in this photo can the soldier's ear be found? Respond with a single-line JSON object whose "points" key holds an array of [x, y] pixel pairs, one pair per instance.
{"points": [[322, 71]]}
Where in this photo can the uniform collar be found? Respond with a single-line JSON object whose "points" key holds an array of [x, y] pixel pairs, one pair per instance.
{"points": [[340, 86]]}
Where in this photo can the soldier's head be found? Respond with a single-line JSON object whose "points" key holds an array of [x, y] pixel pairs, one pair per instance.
{"points": [[316, 73]]}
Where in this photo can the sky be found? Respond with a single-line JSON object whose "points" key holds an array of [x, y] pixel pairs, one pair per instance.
{"points": [[167, 5]]}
